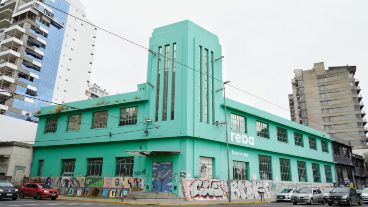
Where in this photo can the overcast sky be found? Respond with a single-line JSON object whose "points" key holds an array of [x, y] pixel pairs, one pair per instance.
{"points": [[262, 41]]}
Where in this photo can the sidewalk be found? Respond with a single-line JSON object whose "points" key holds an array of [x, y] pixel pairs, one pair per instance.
{"points": [[164, 202]]}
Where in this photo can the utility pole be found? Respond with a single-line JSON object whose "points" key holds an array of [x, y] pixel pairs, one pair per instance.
{"points": [[227, 146]]}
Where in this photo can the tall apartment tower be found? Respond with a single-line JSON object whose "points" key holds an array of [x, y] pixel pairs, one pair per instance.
{"points": [[329, 100], [45, 55]]}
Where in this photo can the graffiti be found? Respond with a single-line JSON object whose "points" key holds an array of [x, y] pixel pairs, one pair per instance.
{"points": [[202, 189], [210, 189]]}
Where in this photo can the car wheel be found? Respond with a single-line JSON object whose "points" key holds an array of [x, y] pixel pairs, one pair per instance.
{"points": [[14, 198], [38, 196], [360, 202], [349, 202], [330, 204], [295, 203], [311, 201], [323, 201], [21, 195], [53, 198]]}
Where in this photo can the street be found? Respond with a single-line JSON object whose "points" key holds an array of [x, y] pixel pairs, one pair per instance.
{"points": [[61, 203]]}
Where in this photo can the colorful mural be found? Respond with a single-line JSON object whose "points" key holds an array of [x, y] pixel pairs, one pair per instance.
{"points": [[162, 176]]}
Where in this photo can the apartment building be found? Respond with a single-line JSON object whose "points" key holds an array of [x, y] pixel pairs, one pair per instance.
{"points": [[330, 100], [45, 55]]}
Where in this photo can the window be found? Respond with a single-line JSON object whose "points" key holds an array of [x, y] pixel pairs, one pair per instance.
{"points": [[302, 171], [262, 129], [285, 169], [94, 166], [322, 89], [158, 82], [74, 122], [124, 166], [346, 151], [99, 119], [51, 125], [326, 119], [324, 146], [265, 168], [312, 143], [40, 167], [328, 174], [316, 173], [67, 167], [128, 116], [240, 170], [166, 82], [173, 82], [206, 167], [238, 123], [298, 139], [282, 134]]}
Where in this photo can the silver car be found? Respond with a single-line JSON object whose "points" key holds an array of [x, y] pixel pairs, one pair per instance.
{"points": [[364, 194], [285, 194], [308, 195]]}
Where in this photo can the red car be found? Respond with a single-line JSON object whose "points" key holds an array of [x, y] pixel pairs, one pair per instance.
{"points": [[38, 191]]}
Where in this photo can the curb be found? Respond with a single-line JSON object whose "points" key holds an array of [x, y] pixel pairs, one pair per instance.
{"points": [[165, 204]]}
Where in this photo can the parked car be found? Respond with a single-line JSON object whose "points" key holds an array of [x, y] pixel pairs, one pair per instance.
{"points": [[364, 195], [38, 191], [308, 195], [7, 190], [326, 193], [285, 194], [344, 196]]}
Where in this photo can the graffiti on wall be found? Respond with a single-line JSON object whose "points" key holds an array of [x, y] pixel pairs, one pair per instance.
{"points": [[211, 189]]}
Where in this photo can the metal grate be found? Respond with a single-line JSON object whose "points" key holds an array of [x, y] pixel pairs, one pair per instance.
{"points": [[302, 171], [316, 173], [312, 143], [128, 116], [99, 119], [67, 166], [262, 129], [124, 166], [324, 146], [51, 125], [94, 166], [282, 134], [298, 139], [328, 174], [238, 123], [74, 122], [265, 167], [206, 167], [285, 169], [240, 170]]}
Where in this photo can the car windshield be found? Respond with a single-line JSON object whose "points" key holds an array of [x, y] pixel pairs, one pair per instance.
{"points": [[326, 190], [45, 186], [305, 190], [365, 190], [286, 190], [6, 184], [340, 190]]}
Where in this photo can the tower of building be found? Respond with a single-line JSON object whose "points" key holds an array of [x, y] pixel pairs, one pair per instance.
{"points": [[329, 100], [38, 56]]}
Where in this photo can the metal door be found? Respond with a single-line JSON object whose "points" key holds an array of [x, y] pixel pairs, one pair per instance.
{"points": [[162, 176]]}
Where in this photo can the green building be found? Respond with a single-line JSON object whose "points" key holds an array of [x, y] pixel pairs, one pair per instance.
{"points": [[169, 135]]}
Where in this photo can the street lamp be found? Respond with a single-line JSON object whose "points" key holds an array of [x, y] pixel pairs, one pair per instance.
{"points": [[227, 145]]}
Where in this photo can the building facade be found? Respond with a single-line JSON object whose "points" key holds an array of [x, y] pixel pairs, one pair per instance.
{"points": [[15, 161], [36, 56], [169, 135], [330, 100]]}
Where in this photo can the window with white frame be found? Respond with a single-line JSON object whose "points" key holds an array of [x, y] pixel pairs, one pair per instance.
{"points": [[238, 123], [240, 170]]}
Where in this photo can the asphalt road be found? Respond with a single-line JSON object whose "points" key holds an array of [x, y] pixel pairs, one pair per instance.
{"points": [[61, 203]]}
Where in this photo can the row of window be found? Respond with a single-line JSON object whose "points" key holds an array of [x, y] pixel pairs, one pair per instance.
{"points": [[123, 167], [239, 124], [128, 116]]}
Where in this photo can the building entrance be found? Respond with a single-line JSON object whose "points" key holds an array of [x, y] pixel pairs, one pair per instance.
{"points": [[162, 176]]}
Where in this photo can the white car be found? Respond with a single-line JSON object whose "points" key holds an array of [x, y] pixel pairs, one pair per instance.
{"points": [[364, 194], [285, 194], [326, 193]]}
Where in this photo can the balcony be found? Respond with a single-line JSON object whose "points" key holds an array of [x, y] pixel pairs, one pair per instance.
{"points": [[356, 82], [362, 113], [6, 66], [12, 41], [14, 29], [6, 80], [360, 97], [2, 106], [34, 53], [364, 122], [38, 42], [358, 89], [5, 22], [361, 104], [31, 65], [9, 52]]}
